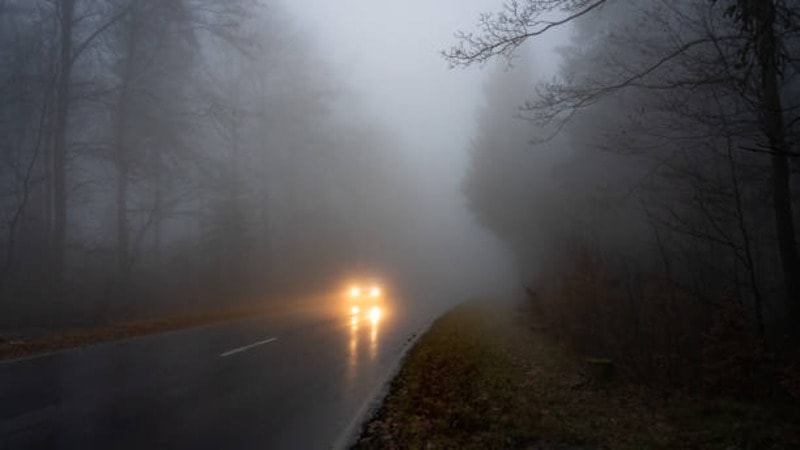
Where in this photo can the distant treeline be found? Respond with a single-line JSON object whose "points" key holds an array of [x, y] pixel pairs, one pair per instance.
{"points": [[158, 155], [650, 188]]}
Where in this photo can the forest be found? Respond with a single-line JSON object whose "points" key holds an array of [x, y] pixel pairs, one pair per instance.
{"points": [[179, 155], [648, 184], [161, 156]]}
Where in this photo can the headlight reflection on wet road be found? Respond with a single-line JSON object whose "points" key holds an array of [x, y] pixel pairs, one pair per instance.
{"points": [[374, 320], [359, 325]]}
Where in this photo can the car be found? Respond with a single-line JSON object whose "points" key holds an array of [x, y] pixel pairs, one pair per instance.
{"points": [[366, 299]]}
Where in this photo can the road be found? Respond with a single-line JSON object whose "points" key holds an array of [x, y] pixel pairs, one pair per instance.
{"points": [[295, 380]]}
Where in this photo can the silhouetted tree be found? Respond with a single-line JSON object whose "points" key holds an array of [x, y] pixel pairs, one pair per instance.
{"points": [[748, 41]]}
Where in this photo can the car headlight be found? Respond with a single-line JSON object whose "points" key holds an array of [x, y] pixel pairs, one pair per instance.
{"points": [[375, 292]]}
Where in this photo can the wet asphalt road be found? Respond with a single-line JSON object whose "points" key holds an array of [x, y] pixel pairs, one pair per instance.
{"points": [[294, 381]]}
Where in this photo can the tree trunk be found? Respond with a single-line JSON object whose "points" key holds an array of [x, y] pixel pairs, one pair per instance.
{"points": [[67, 9], [122, 214], [122, 160], [775, 131], [158, 209]]}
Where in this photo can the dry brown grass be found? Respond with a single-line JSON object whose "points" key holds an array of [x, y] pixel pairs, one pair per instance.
{"points": [[483, 378]]}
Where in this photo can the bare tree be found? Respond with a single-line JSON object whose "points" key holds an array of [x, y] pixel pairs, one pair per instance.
{"points": [[758, 43], [66, 13], [759, 22]]}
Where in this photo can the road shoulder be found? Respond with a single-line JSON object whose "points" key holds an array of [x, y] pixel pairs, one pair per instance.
{"points": [[481, 377]]}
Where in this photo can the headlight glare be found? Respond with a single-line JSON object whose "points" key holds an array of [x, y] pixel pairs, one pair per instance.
{"points": [[375, 313]]}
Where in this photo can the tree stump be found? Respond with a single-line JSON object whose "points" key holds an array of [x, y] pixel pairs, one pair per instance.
{"points": [[599, 371]]}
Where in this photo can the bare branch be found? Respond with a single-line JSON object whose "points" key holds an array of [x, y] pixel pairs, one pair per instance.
{"points": [[503, 33]]}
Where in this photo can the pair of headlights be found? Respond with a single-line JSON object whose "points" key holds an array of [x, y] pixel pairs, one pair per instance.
{"points": [[372, 292]]}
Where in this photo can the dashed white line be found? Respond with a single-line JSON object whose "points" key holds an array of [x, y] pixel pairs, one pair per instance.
{"points": [[247, 347]]}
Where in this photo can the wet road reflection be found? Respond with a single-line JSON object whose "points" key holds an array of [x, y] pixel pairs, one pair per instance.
{"points": [[364, 336], [374, 319], [281, 376]]}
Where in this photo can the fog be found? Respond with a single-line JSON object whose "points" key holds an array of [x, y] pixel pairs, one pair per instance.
{"points": [[212, 154], [206, 153], [388, 56]]}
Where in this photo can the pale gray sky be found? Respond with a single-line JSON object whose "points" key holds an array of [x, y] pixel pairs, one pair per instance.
{"points": [[387, 53]]}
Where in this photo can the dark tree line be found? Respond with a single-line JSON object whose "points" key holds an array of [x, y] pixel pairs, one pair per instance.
{"points": [[655, 212], [164, 154]]}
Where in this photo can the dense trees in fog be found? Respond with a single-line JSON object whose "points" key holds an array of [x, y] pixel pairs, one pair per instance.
{"points": [[649, 189], [168, 154]]}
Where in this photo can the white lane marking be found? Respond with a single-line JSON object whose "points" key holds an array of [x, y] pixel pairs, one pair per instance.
{"points": [[247, 347]]}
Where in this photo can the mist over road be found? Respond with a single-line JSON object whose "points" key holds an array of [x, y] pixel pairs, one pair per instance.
{"points": [[296, 380]]}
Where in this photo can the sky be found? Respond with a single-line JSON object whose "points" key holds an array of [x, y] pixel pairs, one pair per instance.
{"points": [[388, 55]]}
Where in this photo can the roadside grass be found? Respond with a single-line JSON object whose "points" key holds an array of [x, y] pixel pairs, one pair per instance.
{"points": [[481, 377], [17, 348]]}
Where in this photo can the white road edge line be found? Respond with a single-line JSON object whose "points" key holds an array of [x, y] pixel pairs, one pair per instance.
{"points": [[349, 436], [247, 347]]}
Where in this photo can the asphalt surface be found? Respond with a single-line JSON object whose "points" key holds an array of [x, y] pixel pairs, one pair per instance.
{"points": [[296, 381]]}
